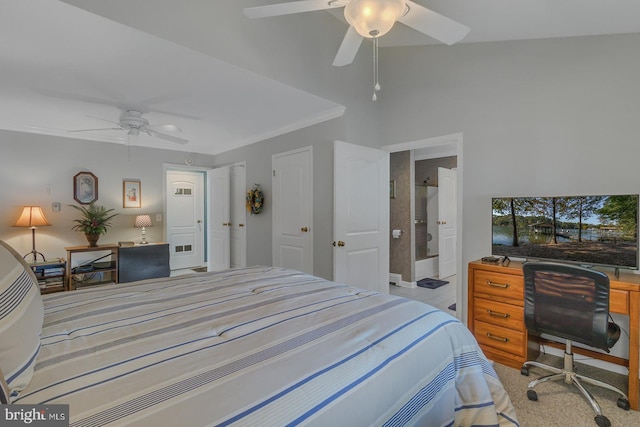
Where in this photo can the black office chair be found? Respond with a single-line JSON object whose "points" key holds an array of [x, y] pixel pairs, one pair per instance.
{"points": [[569, 302]]}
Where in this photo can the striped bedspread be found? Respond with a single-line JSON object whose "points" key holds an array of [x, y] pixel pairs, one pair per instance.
{"points": [[260, 346]]}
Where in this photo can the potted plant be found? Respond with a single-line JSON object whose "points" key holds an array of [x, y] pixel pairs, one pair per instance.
{"points": [[95, 221]]}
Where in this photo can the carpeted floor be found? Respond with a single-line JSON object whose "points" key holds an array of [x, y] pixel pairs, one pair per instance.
{"points": [[562, 405]]}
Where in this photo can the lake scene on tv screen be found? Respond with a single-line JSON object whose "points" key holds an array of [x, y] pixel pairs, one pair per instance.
{"points": [[591, 230]]}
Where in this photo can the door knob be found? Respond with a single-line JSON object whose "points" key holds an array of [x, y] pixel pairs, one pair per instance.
{"points": [[340, 243], [199, 221], [240, 225], [304, 229]]}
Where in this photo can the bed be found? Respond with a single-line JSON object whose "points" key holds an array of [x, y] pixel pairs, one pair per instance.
{"points": [[260, 346]]}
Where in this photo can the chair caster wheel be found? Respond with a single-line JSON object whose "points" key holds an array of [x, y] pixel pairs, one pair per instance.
{"points": [[532, 395], [524, 371], [623, 403], [602, 421]]}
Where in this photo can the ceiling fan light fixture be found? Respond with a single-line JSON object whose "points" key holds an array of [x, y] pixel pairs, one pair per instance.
{"points": [[373, 18]]}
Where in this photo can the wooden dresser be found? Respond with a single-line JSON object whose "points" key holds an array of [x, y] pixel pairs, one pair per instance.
{"points": [[496, 313], [496, 318]]}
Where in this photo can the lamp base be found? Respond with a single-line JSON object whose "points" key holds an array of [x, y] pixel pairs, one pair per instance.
{"points": [[144, 236], [35, 256]]}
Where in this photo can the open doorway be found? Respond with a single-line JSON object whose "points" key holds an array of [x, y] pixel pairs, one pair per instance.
{"points": [[413, 249]]}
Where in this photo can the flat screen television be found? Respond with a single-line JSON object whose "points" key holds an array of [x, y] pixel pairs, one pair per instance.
{"points": [[588, 230]]}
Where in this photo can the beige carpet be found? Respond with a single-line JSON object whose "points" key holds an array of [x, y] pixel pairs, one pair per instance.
{"points": [[562, 405]]}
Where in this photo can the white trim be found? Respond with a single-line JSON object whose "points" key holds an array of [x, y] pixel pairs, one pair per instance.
{"points": [[301, 124], [454, 140], [395, 278]]}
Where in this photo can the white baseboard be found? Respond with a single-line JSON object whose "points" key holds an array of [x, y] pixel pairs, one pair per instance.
{"points": [[396, 279]]}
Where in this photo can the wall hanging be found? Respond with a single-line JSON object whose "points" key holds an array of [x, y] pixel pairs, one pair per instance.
{"points": [[255, 200], [85, 188], [131, 193]]}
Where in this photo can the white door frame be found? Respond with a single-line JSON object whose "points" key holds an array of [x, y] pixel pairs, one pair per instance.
{"points": [[306, 235], [238, 215], [442, 146], [447, 261], [218, 215], [361, 216], [183, 168]]}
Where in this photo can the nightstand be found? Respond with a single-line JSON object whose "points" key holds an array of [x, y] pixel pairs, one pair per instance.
{"points": [[50, 275]]}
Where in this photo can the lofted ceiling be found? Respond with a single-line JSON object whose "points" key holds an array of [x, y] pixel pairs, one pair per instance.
{"points": [[75, 64]]}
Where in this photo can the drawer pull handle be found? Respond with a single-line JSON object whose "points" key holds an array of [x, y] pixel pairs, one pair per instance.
{"points": [[498, 314], [497, 338], [497, 285]]}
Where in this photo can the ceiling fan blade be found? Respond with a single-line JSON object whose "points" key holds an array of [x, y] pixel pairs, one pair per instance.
{"points": [[279, 9], [166, 128], [92, 130], [103, 120], [433, 24], [166, 137], [348, 48]]}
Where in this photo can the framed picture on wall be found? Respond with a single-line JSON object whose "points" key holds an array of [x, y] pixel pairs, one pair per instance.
{"points": [[85, 188], [131, 194]]}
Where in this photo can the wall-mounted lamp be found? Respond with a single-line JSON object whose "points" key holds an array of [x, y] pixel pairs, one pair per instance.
{"points": [[32, 216], [143, 221]]}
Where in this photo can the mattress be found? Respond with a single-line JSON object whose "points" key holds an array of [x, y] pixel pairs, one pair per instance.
{"points": [[260, 346]]}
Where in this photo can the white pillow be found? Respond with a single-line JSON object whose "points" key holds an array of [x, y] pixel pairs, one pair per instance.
{"points": [[21, 317]]}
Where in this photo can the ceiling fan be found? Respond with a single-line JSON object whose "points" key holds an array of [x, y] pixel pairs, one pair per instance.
{"points": [[133, 122], [371, 19]]}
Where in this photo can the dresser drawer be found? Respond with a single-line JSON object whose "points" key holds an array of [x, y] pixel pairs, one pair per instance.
{"points": [[505, 339], [498, 313], [503, 286], [618, 301]]}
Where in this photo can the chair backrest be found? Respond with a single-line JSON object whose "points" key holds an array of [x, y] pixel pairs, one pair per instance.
{"points": [[567, 301]]}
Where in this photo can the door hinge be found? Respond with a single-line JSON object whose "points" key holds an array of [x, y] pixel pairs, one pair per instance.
{"points": [[274, 173]]}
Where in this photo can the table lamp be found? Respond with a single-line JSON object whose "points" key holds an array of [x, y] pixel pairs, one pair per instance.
{"points": [[32, 216], [143, 221]]}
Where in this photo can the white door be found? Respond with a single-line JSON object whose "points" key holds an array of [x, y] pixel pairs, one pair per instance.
{"points": [[185, 215], [361, 216], [219, 219], [238, 216], [292, 210], [447, 215]]}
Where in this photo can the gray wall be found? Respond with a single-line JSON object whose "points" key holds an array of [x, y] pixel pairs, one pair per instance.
{"points": [[542, 117], [258, 158], [555, 116], [39, 170], [401, 255]]}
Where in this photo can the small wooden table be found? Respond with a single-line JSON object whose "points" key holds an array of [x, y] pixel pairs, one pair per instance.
{"points": [[111, 268]]}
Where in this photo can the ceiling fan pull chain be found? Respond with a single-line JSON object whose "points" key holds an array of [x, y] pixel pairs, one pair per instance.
{"points": [[376, 86]]}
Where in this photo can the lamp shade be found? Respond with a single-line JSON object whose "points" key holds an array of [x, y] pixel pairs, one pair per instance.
{"points": [[31, 216], [143, 221], [373, 18]]}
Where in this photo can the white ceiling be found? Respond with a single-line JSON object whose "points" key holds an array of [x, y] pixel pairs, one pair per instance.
{"points": [[63, 68]]}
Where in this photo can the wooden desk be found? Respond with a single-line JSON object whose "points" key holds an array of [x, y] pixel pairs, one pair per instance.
{"points": [[496, 317]]}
